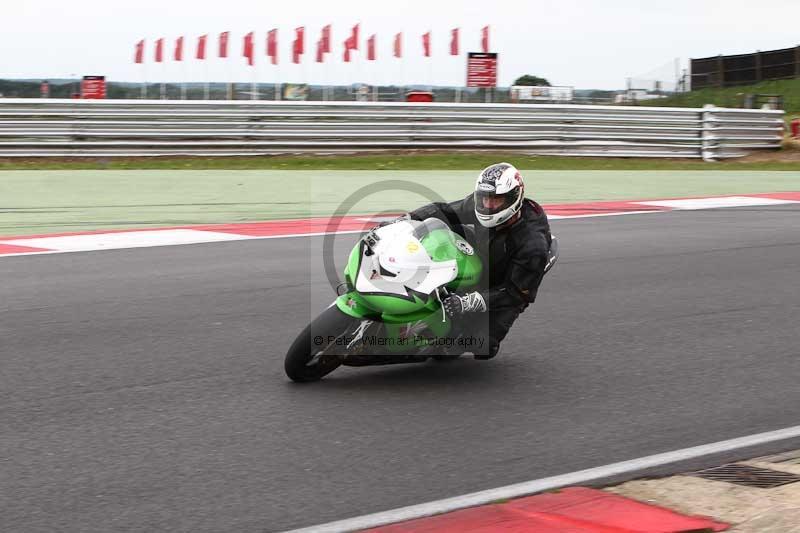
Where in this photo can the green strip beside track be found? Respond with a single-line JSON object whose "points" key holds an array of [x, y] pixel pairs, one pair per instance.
{"points": [[49, 201]]}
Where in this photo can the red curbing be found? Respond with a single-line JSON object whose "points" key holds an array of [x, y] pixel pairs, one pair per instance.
{"points": [[598, 208], [570, 510], [778, 195], [292, 227], [194, 234], [13, 249], [267, 228]]}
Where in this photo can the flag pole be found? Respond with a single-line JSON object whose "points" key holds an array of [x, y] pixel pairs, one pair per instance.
{"points": [[227, 67], [256, 94], [163, 75], [254, 66], [144, 81], [204, 59], [429, 60], [277, 81], [277, 78], [373, 75], [206, 88], [402, 60], [430, 73], [163, 72], [185, 75], [325, 78], [255, 81], [229, 75], [277, 68], [404, 71]]}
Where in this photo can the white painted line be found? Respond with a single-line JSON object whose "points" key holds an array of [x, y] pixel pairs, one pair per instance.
{"points": [[44, 252], [317, 234], [714, 203], [148, 238], [549, 483], [614, 214], [130, 239], [198, 241], [377, 220]]}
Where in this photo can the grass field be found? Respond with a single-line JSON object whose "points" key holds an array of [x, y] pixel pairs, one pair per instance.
{"points": [[732, 96], [414, 161], [49, 201]]}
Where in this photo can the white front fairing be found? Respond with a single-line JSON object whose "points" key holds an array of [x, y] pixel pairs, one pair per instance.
{"points": [[400, 261]]}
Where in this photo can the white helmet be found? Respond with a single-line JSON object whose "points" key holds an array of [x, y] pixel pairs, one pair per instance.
{"points": [[499, 193]]}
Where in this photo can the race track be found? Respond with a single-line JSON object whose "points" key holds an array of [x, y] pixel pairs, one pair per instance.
{"points": [[144, 390]]}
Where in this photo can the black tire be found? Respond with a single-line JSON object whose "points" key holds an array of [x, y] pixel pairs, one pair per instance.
{"points": [[331, 322]]}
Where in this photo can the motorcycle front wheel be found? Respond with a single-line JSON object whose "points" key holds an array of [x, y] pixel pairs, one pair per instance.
{"points": [[306, 359]]}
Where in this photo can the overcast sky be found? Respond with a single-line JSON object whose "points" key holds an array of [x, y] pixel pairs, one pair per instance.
{"points": [[582, 43]]}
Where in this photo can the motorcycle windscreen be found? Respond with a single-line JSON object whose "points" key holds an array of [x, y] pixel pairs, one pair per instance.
{"points": [[401, 266]]}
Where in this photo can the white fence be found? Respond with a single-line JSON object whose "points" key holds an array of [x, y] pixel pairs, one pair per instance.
{"points": [[78, 128]]}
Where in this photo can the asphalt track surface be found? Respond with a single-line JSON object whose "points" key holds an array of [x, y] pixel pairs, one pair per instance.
{"points": [[144, 389]]}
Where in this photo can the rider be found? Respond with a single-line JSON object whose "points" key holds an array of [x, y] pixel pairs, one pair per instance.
{"points": [[511, 234]]}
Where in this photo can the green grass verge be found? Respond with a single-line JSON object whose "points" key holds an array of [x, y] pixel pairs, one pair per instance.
{"points": [[436, 161], [732, 96], [60, 201]]}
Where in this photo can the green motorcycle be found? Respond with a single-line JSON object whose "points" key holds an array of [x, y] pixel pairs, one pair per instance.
{"points": [[390, 311]]}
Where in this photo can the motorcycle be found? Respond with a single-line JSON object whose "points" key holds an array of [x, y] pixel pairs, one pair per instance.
{"points": [[391, 309]]}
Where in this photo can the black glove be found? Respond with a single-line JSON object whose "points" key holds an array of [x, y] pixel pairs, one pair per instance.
{"points": [[472, 302]]}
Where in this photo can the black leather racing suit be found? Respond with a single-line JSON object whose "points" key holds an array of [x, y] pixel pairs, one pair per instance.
{"points": [[514, 258]]}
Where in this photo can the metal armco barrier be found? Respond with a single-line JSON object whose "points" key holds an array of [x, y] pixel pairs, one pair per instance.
{"points": [[108, 128]]}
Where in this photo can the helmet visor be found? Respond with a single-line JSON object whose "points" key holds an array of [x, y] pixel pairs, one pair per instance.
{"points": [[489, 203]]}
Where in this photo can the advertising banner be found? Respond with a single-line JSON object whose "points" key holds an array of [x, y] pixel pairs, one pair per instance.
{"points": [[93, 87], [482, 69], [541, 93], [295, 91]]}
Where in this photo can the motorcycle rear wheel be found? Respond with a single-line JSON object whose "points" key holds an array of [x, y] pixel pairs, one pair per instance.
{"points": [[300, 364]]}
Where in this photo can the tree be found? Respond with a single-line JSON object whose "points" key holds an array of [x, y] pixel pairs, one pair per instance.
{"points": [[527, 79]]}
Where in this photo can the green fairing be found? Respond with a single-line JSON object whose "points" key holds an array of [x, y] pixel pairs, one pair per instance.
{"points": [[441, 246], [423, 330], [396, 326], [352, 304]]}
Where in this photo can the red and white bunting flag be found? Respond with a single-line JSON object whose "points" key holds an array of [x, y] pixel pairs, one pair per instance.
{"points": [[223, 44], [485, 39], [371, 48], [247, 48], [347, 49], [201, 47], [320, 51], [326, 39], [398, 45], [159, 50], [179, 49], [426, 44], [354, 37], [138, 56], [454, 42], [298, 46], [272, 46]]}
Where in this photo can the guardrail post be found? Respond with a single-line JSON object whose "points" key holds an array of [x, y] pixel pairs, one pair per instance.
{"points": [[709, 144]]}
